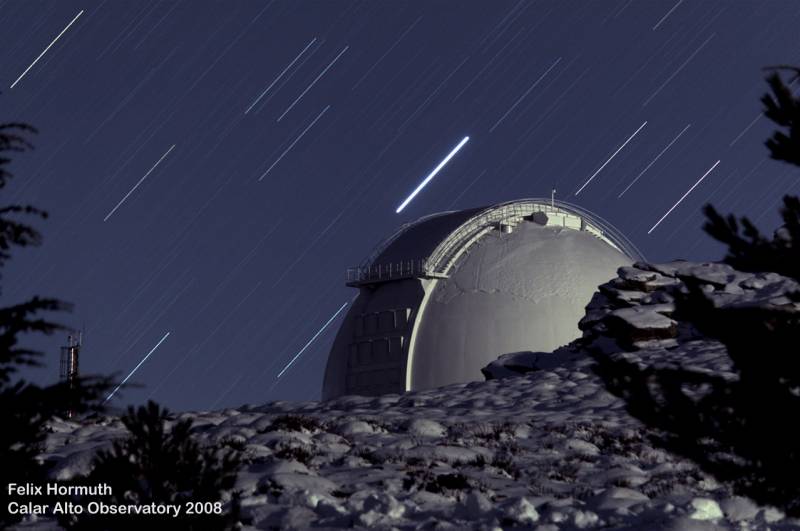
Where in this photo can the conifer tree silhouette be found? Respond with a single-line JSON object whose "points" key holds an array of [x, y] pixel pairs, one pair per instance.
{"points": [[748, 249], [163, 465], [742, 431], [153, 464], [25, 408]]}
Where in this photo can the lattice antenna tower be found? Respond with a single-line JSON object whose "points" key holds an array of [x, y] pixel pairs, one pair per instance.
{"points": [[70, 363]]}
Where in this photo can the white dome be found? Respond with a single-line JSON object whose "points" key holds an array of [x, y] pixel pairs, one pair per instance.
{"points": [[448, 294]]}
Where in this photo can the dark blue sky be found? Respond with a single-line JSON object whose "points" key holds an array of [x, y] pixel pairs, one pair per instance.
{"points": [[237, 241]]}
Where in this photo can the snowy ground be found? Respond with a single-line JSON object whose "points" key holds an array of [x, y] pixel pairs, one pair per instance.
{"points": [[547, 449]]}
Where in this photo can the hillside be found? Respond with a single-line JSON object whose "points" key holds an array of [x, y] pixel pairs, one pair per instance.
{"points": [[539, 445]]}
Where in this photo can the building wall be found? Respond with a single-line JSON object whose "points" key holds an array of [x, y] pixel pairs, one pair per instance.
{"points": [[369, 353], [523, 291]]}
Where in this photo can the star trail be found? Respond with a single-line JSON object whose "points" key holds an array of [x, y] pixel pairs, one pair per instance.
{"points": [[620, 148], [124, 380], [135, 186], [280, 75], [310, 341], [689, 191], [654, 160], [213, 169], [45, 50]]}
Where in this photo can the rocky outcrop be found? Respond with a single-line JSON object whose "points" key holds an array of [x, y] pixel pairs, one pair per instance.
{"points": [[633, 316]]}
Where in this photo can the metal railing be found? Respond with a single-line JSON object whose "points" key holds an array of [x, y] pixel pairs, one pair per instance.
{"points": [[394, 271], [386, 242], [613, 234], [443, 257], [445, 254]]}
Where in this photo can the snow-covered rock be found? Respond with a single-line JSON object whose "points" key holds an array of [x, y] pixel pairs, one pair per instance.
{"points": [[426, 428], [739, 508], [521, 511], [705, 509]]}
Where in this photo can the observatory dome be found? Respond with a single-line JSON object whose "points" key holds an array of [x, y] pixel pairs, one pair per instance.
{"points": [[449, 293]]}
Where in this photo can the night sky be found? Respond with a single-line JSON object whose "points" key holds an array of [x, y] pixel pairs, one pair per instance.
{"points": [[212, 168]]}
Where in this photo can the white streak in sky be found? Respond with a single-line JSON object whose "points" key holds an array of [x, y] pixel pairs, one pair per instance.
{"points": [[295, 142], [654, 160], [137, 184], [312, 339], [312, 83], [465, 190], [623, 8], [664, 84], [758, 116], [746, 129], [432, 174], [137, 367], [45, 50], [382, 57], [668, 14], [609, 158], [280, 75], [682, 198], [523, 95]]}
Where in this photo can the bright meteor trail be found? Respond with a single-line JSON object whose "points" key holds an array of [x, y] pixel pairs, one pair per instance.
{"points": [[136, 368], [432, 174], [312, 339]]}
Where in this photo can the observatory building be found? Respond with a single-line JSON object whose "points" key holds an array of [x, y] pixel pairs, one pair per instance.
{"points": [[451, 292]]}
